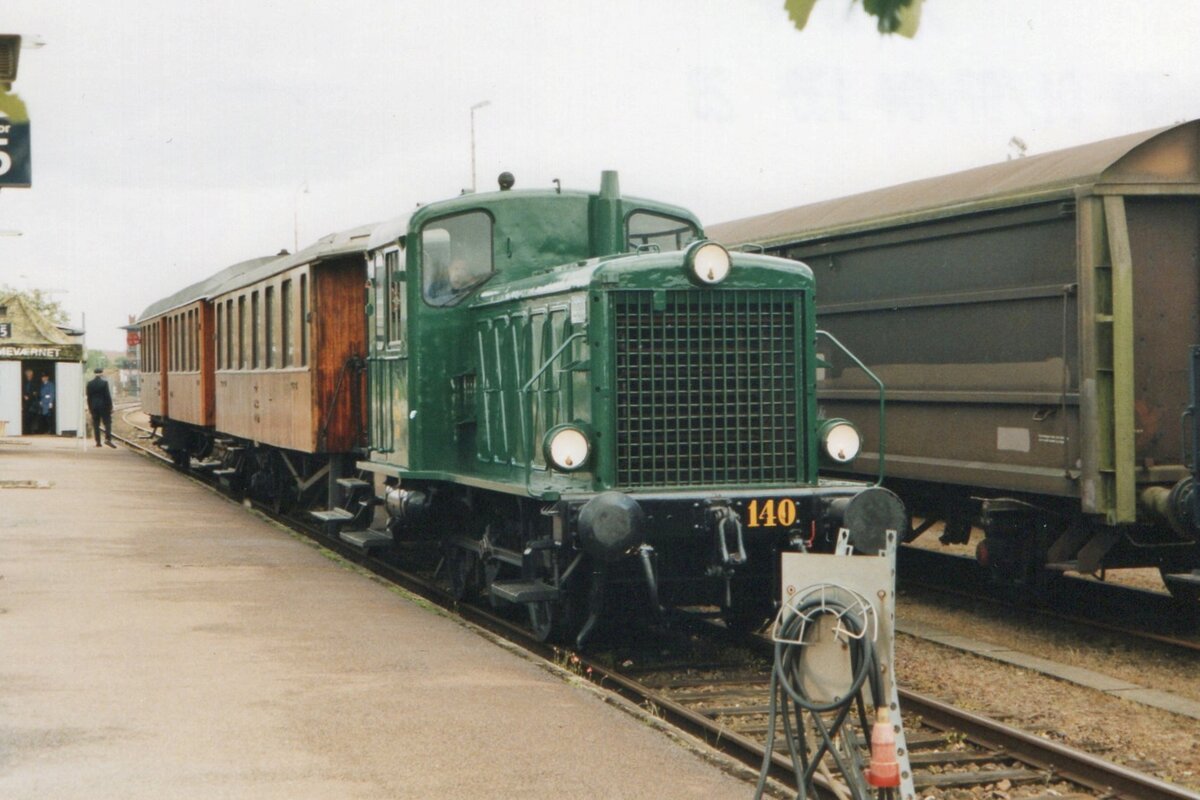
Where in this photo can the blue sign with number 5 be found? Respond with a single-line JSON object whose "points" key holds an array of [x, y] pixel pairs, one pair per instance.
{"points": [[15, 162]]}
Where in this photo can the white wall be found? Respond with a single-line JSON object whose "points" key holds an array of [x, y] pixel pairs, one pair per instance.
{"points": [[68, 380], [10, 396]]}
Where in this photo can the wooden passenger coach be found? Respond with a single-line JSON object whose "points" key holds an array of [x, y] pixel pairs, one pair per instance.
{"points": [[177, 351], [287, 337]]}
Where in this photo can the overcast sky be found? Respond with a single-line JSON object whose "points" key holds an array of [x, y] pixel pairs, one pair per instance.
{"points": [[171, 139]]}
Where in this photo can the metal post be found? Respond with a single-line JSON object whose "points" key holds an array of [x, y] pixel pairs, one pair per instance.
{"points": [[303, 189], [478, 105]]}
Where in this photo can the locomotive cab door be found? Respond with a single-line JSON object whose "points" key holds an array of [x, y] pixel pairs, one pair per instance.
{"points": [[387, 361]]}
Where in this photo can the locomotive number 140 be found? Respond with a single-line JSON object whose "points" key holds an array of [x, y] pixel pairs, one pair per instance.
{"points": [[770, 513]]}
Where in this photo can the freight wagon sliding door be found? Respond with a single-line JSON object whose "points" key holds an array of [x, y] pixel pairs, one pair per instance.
{"points": [[971, 323], [1164, 239]]}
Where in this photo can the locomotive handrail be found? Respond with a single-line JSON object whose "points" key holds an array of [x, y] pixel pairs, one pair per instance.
{"points": [[882, 395], [546, 365]]}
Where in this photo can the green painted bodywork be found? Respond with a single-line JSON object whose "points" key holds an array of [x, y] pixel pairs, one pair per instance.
{"points": [[481, 382]]}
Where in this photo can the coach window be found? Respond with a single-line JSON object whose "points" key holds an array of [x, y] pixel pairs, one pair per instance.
{"points": [[241, 325], [220, 335], [228, 334], [304, 320], [255, 320], [667, 233], [456, 256], [285, 324], [397, 305], [194, 340], [269, 353]]}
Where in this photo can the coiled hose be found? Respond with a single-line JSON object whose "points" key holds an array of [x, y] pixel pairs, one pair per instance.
{"points": [[789, 700]]}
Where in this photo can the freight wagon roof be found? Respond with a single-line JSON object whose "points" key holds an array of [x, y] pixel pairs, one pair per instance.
{"points": [[202, 289], [1168, 155], [333, 245]]}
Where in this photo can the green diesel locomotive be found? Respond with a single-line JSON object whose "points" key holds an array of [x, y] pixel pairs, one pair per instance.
{"points": [[588, 402]]}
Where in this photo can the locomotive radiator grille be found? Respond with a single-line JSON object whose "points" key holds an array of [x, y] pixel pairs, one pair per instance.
{"points": [[707, 386]]}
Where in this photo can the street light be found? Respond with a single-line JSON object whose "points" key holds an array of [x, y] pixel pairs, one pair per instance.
{"points": [[296, 216], [475, 107], [12, 233]]}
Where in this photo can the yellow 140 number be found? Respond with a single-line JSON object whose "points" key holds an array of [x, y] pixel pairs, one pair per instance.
{"points": [[770, 513]]}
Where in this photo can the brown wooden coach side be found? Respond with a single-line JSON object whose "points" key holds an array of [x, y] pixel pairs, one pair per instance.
{"points": [[283, 343], [177, 357], [153, 366]]}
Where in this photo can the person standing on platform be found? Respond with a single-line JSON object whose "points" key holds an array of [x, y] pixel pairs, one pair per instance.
{"points": [[46, 405], [29, 402], [99, 400]]}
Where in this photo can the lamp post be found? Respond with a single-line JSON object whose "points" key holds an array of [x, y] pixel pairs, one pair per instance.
{"points": [[303, 189], [474, 108]]}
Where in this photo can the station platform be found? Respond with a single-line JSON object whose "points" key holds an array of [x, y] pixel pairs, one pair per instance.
{"points": [[160, 641]]}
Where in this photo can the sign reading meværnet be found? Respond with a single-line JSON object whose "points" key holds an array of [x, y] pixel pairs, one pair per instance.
{"points": [[42, 352]]}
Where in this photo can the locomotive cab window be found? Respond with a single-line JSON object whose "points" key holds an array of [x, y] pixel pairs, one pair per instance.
{"points": [[456, 256], [667, 233]]}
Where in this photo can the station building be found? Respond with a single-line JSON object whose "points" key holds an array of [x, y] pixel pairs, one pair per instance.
{"points": [[33, 346]]}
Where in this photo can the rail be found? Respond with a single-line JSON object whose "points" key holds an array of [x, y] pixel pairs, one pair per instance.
{"points": [[1112, 780]]}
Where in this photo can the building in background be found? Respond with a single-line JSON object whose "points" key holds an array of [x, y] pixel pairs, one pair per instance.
{"points": [[29, 341]]}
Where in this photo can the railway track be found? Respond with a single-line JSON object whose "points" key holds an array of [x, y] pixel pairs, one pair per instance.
{"points": [[724, 703], [1140, 614]]}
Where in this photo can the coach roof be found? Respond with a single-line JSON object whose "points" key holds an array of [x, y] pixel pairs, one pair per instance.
{"points": [[202, 290], [1169, 155], [333, 245]]}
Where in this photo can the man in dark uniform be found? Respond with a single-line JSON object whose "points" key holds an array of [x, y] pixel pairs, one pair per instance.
{"points": [[29, 403], [99, 400]]}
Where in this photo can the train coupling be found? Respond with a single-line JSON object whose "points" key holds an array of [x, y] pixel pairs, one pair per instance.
{"points": [[1176, 506], [726, 525]]}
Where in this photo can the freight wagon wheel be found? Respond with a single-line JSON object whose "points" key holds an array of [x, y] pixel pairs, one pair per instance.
{"points": [[1185, 593]]}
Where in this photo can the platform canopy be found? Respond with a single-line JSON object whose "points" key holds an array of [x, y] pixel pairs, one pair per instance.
{"points": [[26, 334]]}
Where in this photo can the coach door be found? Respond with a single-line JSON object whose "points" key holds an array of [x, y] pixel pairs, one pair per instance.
{"points": [[388, 359]]}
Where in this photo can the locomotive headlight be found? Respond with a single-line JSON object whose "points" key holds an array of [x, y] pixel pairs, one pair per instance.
{"points": [[840, 440], [709, 262], [567, 448]]}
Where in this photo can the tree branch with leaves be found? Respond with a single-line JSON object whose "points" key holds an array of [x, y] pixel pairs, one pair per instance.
{"points": [[892, 16]]}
